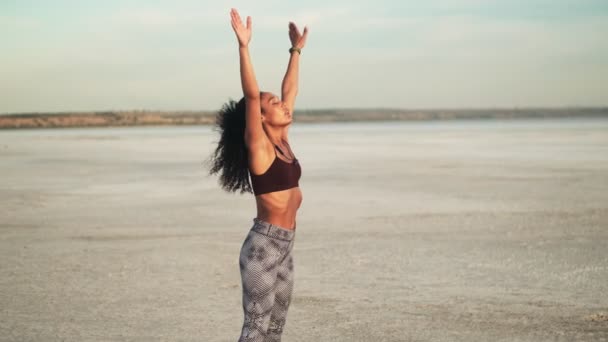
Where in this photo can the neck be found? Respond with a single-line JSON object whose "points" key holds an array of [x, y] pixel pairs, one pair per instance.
{"points": [[276, 134]]}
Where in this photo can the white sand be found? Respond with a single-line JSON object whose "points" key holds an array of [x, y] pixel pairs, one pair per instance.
{"points": [[440, 231]]}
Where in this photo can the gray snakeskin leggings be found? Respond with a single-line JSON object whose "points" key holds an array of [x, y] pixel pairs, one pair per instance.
{"points": [[266, 265]]}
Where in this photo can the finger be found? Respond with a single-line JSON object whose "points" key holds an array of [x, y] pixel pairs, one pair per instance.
{"points": [[293, 26], [234, 16], [232, 19], [235, 25], [303, 40], [248, 22], [237, 16]]}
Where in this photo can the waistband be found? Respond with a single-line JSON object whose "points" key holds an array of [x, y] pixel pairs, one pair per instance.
{"points": [[272, 230]]}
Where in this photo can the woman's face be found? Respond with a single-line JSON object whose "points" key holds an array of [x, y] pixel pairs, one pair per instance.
{"points": [[274, 111]]}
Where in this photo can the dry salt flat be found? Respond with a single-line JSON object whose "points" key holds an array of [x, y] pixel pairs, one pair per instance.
{"points": [[466, 230]]}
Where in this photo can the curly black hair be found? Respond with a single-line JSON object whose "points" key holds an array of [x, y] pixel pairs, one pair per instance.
{"points": [[230, 156]]}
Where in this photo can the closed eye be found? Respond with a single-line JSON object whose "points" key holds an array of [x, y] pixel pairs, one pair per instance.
{"points": [[273, 100]]}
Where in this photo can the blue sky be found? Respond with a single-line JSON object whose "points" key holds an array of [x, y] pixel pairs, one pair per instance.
{"points": [[182, 55]]}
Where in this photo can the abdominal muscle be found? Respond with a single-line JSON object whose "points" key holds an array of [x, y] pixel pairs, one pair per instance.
{"points": [[279, 207]]}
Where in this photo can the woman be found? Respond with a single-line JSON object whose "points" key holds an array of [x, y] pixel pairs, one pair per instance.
{"points": [[254, 143]]}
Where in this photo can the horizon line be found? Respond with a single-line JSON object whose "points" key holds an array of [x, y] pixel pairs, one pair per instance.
{"points": [[423, 109]]}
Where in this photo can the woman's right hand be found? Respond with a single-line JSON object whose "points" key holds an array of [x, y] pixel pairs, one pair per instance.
{"points": [[243, 34]]}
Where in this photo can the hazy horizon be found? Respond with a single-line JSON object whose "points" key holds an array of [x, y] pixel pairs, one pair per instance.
{"points": [[329, 109], [465, 54]]}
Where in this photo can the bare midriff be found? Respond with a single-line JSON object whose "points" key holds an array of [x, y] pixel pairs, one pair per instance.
{"points": [[279, 207]]}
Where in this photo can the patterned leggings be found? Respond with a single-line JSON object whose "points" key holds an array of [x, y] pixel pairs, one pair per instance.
{"points": [[266, 265]]}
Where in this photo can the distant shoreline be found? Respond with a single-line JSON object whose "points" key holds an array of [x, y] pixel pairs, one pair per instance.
{"points": [[177, 118]]}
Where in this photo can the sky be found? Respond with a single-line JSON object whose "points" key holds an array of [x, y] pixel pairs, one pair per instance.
{"points": [[183, 55]]}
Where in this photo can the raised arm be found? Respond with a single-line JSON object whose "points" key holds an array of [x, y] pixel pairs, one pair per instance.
{"points": [[254, 133], [289, 87]]}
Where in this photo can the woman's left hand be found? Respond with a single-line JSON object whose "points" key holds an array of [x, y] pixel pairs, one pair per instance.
{"points": [[297, 40]]}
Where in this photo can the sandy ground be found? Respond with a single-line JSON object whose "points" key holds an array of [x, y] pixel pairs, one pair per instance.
{"points": [[467, 231]]}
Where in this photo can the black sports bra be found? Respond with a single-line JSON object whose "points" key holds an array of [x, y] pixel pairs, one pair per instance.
{"points": [[281, 175]]}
